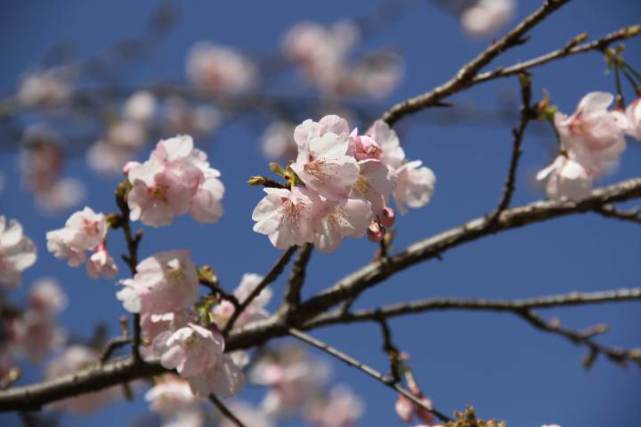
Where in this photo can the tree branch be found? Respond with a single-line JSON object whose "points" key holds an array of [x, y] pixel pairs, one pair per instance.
{"points": [[633, 215], [349, 360], [227, 413], [465, 76], [296, 280]]}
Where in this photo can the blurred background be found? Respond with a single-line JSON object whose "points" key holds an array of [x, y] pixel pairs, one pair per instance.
{"points": [[495, 362]]}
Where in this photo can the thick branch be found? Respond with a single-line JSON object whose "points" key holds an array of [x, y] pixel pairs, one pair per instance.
{"points": [[119, 371]]}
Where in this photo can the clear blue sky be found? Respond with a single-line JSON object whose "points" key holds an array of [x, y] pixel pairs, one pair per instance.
{"points": [[501, 365]]}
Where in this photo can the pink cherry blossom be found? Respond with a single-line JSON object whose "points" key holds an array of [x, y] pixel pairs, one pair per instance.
{"points": [[140, 107], [224, 379], [73, 359], [414, 185], [223, 311], [46, 296], [375, 183], [191, 350], [392, 153], [376, 76], [593, 135], [285, 216], [633, 113], [340, 408], [36, 333], [164, 282], [175, 180], [45, 88], [171, 395], [108, 159], [566, 179], [180, 117], [278, 141], [408, 410], [323, 163], [17, 253], [220, 70], [84, 231], [337, 220], [101, 263], [486, 17]]}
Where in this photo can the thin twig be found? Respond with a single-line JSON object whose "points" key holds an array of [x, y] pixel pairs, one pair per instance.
{"points": [[349, 360], [273, 274], [608, 211], [517, 134], [227, 413]]}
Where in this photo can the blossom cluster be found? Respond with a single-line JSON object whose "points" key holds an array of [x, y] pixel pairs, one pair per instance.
{"points": [[175, 180], [347, 180], [322, 53], [592, 141], [17, 253], [84, 231], [163, 291]]}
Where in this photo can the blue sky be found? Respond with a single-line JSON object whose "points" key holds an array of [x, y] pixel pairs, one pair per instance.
{"points": [[496, 362]]}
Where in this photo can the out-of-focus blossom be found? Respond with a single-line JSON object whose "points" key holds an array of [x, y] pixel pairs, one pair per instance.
{"points": [[248, 415], [565, 179], [191, 418], [46, 296], [278, 141], [408, 410], [45, 88], [181, 118], [375, 76], [35, 334], [219, 70], [73, 359], [41, 168], [85, 230], [165, 282], [17, 252], [171, 395], [293, 377], [223, 311], [175, 180], [486, 17], [593, 135], [339, 408], [140, 107], [108, 159], [633, 113]]}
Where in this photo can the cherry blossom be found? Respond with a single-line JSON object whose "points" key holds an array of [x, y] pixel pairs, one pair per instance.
{"points": [[164, 282], [101, 263], [324, 166], [593, 135], [175, 180], [633, 113], [140, 107], [340, 408], [223, 311], [285, 216], [171, 395], [17, 252], [85, 230], [46, 296], [36, 333], [73, 359], [486, 17], [337, 220], [224, 379], [220, 70], [278, 141], [565, 179], [181, 117], [45, 88], [190, 350], [414, 185]]}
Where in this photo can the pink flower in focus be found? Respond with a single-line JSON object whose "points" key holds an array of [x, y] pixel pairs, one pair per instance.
{"points": [[337, 220], [392, 153], [285, 216], [323, 163], [633, 113], [191, 350], [565, 179], [101, 264], [73, 359], [84, 231], [486, 17], [17, 253], [175, 180], [165, 282], [593, 136], [219, 70], [224, 379], [374, 184]]}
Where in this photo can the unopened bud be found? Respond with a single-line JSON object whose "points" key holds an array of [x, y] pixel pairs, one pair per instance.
{"points": [[375, 232], [387, 217]]}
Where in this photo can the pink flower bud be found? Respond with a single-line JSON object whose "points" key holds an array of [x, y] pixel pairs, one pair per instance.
{"points": [[387, 217]]}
